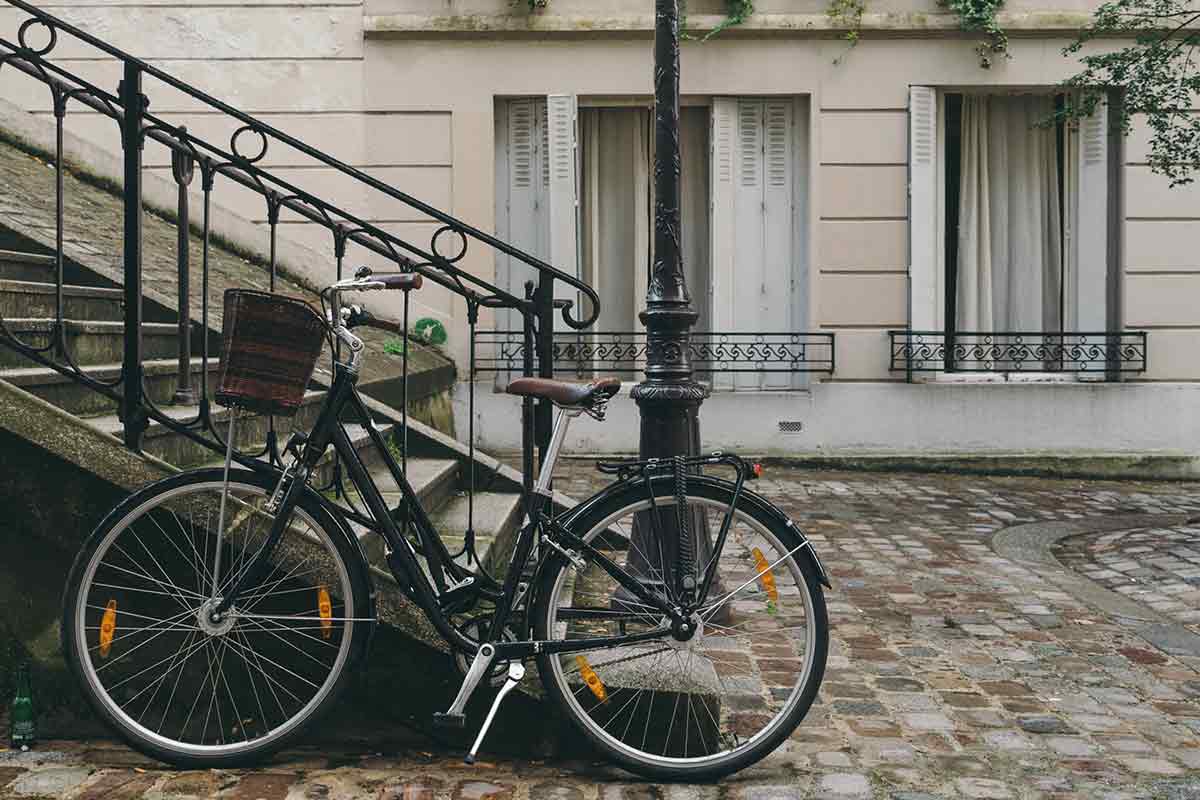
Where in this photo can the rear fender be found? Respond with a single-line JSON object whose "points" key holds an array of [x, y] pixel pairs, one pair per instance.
{"points": [[715, 487]]}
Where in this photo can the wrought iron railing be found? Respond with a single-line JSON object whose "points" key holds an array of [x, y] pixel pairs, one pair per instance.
{"points": [[1106, 355], [30, 50], [587, 353]]}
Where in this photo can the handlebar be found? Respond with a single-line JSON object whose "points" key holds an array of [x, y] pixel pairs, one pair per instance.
{"points": [[365, 280]]}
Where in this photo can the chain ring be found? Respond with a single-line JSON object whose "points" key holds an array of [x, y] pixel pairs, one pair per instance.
{"points": [[475, 629]]}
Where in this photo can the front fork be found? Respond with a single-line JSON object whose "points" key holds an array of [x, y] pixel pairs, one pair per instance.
{"points": [[281, 504], [306, 452]]}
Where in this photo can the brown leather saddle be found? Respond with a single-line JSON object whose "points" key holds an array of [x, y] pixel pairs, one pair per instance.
{"points": [[586, 396]]}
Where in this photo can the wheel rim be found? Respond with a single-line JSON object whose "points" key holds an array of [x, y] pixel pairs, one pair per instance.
{"points": [[713, 711], [173, 677]]}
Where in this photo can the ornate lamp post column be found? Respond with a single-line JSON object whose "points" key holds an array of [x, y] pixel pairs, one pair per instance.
{"points": [[668, 399]]}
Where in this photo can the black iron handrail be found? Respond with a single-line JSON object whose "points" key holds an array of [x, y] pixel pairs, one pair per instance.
{"points": [[1107, 354], [438, 261], [31, 60], [585, 353]]}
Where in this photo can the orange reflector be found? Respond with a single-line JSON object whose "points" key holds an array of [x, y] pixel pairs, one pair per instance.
{"points": [[592, 679], [325, 608], [764, 575], [108, 626]]}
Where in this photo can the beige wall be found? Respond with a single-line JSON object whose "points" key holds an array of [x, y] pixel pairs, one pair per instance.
{"points": [[406, 90], [297, 65]]}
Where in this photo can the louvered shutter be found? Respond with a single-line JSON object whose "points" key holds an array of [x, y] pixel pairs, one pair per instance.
{"points": [[1089, 234], [563, 188], [721, 226], [754, 258], [525, 182], [922, 209], [749, 216], [775, 291]]}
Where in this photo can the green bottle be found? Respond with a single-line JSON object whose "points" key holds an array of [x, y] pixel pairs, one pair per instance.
{"points": [[22, 721]]}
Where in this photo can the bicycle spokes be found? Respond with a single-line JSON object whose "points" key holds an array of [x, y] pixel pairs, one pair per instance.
{"points": [[707, 686], [162, 661]]}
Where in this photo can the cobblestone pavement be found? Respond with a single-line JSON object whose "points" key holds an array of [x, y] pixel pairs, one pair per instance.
{"points": [[953, 673], [1159, 567]]}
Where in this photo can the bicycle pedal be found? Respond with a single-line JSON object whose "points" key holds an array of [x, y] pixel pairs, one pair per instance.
{"points": [[444, 720]]}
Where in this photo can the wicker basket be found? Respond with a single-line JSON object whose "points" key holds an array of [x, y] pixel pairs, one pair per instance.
{"points": [[270, 348]]}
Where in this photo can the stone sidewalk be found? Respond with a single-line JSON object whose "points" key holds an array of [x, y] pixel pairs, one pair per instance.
{"points": [[963, 664]]}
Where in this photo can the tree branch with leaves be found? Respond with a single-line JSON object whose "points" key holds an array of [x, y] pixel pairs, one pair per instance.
{"points": [[1156, 75]]}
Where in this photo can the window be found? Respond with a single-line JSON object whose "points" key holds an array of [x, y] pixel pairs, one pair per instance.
{"points": [[1009, 219], [743, 200]]}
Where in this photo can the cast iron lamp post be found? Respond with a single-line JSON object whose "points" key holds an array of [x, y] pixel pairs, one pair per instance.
{"points": [[669, 398]]}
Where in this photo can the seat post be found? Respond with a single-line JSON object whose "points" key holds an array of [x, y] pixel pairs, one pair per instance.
{"points": [[561, 423]]}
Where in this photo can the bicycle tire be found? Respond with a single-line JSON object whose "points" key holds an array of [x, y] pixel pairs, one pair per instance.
{"points": [[599, 516], [348, 566]]}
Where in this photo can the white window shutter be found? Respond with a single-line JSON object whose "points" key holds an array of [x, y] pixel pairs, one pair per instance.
{"points": [[721, 225], [1089, 251], [562, 161], [923, 215], [775, 294], [748, 213], [523, 216]]}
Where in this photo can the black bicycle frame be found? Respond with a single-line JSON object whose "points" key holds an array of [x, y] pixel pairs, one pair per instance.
{"points": [[402, 556]]}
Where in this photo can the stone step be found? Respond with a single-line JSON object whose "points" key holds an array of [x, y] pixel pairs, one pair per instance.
{"points": [[433, 479], [249, 433], [26, 266], [32, 299], [498, 518], [89, 342], [161, 381]]}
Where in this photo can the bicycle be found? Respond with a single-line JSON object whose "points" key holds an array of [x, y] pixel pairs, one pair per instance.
{"points": [[214, 614]]}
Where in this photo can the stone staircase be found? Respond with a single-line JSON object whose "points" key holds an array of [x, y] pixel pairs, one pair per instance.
{"points": [[93, 312], [94, 339]]}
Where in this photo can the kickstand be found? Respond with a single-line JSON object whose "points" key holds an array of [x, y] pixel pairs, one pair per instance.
{"points": [[516, 671]]}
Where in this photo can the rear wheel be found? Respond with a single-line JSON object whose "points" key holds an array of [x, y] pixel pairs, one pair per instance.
{"points": [[729, 694], [171, 681]]}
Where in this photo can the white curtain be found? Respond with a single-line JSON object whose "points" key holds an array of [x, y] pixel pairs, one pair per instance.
{"points": [[617, 209], [614, 199], [1009, 268]]}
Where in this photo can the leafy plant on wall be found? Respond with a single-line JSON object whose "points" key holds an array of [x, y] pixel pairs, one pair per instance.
{"points": [[847, 14], [736, 12], [979, 16]]}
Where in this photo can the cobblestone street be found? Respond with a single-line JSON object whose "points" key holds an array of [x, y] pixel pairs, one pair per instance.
{"points": [[1156, 566], [965, 663]]}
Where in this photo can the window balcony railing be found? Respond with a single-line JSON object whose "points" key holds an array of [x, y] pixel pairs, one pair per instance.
{"points": [[588, 353], [1106, 355]]}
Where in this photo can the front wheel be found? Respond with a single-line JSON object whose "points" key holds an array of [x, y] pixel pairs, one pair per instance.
{"points": [[731, 693], [172, 682]]}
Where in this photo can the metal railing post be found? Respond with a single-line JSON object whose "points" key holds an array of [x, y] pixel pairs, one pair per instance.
{"points": [[527, 420], [133, 103], [182, 169], [544, 413]]}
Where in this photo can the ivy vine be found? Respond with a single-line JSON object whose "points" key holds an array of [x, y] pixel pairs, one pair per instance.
{"points": [[736, 12], [980, 16], [848, 14]]}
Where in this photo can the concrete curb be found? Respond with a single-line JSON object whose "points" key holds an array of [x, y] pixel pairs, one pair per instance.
{"points": [[1031, 544]]}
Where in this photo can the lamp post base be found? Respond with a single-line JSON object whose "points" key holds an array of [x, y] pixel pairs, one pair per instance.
{"points": [[670, 426]]}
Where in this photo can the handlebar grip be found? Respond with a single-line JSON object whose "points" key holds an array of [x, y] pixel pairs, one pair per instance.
{"points": [[403, 280]]}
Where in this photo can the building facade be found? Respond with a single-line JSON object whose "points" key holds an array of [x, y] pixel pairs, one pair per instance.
{"points": [[994, 284]]}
